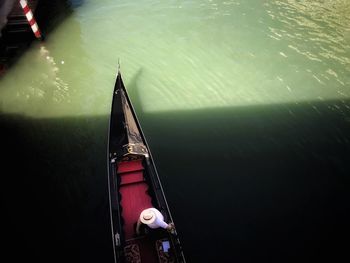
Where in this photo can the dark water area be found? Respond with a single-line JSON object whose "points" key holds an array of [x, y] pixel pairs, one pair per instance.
{"points": [[54, 189], [255, 184], [244, 184]]}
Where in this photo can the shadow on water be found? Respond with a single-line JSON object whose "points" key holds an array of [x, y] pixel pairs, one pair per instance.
{"points": [[134, 91], [267, 183], [51, 13], [54, 189]]}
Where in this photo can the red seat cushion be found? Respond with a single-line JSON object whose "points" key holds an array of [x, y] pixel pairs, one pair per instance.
{"points": [[130, 166], [134, 197], [134, 200], [129, 178]]}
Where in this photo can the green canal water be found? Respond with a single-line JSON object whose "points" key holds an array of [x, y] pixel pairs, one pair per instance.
{"points": [[246, 108]]}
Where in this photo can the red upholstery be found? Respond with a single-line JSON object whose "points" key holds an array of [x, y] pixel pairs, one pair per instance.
{"points": [[130, 166], [129, 178], [134, 197], [134, 200]]}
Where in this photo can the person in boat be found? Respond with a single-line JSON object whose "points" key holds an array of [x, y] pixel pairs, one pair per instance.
{"points": [[152, 218]]}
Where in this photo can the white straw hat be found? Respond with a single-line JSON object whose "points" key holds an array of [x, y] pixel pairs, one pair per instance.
{"points": [[148, 216]]}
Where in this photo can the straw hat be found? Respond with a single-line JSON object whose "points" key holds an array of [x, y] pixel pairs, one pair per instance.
{"points": [[148, 216]]}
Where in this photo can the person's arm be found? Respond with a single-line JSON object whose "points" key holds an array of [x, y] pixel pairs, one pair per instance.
{"points": [[161, 223], [169, 227], [138, 226]]}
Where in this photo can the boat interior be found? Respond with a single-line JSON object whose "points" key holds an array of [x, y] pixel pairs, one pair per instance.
{"points": [[151, 245]]}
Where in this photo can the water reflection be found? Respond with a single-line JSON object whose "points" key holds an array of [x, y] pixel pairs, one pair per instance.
{"points": [[60, 92], [318, 32], [47, 84], [311, 38], [195, 55]]}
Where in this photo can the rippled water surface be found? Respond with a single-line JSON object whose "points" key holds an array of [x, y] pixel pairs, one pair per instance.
{"points": [[245, 105], [186, 55]]}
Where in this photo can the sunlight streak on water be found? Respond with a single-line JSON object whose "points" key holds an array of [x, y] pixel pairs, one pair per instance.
{"points": [[192, 55]]}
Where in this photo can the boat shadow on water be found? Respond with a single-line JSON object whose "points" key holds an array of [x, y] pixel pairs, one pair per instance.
{"points": [[246, 183]]}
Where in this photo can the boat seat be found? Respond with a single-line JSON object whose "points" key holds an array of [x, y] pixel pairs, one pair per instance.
{"points": [[131, 178], [130, 166], [134, 200], [134, 194]]}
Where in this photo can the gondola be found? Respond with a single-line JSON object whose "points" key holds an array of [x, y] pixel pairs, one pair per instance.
{"points": [[134, 185]]}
